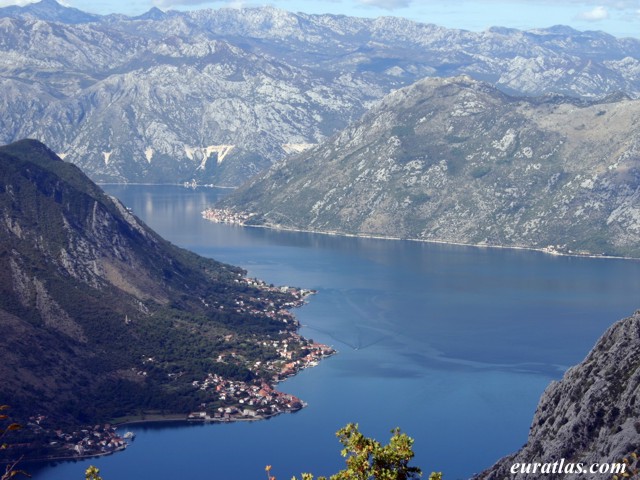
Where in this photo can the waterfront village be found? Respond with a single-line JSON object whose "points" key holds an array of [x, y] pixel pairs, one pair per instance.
{"points": [[236, 400], [81, 442], [224, 215], [229, 400]]}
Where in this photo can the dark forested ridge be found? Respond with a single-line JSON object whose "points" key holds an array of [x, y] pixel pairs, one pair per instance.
{"points": [[101, 318]]}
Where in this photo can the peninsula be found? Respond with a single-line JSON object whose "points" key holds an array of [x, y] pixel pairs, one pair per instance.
{"points": [[105, 322]]}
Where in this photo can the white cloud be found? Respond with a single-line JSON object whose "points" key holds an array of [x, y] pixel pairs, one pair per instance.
{"points": [[387, 4], [175, 3], [6, 3], [22, 3], [595, 15], [602, 4]]}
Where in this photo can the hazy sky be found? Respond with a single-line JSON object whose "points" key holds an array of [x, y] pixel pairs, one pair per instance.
{"points": [[617, 17]]}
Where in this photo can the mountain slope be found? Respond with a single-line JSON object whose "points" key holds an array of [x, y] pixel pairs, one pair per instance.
{"points": [[218, 95], [588, 417], [102, 318], [456, 160]]}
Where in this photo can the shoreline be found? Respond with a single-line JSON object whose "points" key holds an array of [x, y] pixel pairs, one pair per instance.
{"points": [[179, 419], [545, 250], [383, 237], [208, 185], [195, 418], [73, 458], [444, 242]]}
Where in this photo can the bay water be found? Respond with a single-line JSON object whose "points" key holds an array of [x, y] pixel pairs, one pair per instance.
{"points": [[452, 344]]}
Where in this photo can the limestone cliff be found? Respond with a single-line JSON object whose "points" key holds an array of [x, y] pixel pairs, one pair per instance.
{"points": [[590, 416]]}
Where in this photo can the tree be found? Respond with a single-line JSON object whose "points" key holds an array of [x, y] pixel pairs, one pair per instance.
{"points": [[368, 459], [92, 473]]}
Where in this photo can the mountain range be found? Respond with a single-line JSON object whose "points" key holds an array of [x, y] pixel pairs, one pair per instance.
{"points": [[219, 95], [459, 161], [521, 139]]}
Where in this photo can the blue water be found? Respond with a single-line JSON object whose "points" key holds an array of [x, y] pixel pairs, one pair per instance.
{"points": [[453, 344]]}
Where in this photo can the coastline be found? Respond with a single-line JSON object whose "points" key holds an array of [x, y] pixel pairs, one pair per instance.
{"points": [[72, 458], [275, 227], [269, 403], [187, 185], [180, 419], [546, 250]]}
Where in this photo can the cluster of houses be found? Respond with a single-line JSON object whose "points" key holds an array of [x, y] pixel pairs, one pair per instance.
{"points": [[89, 441], [242, 400], [245, 401], [102, 439], [294, 361], [223, 215], [281, 312]]}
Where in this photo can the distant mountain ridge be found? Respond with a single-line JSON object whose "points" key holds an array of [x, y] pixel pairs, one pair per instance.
{"points": [[219, 95], [456, 160]]}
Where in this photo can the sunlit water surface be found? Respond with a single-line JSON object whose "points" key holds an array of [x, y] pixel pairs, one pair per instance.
{"points": [[453, 344]]}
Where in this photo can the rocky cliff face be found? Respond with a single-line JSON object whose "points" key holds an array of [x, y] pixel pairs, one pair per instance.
{"points": [[456, 160], [218, 95], [590, 416]]}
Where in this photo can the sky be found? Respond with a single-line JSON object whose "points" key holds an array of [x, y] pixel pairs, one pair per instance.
{"points": [[620, 18]]}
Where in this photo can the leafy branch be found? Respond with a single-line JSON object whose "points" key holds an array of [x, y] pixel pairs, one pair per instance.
{"points": [[368, 459], [11, 469]]}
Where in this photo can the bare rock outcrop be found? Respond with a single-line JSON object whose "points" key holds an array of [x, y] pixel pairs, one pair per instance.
{"points": [[591, 416]]}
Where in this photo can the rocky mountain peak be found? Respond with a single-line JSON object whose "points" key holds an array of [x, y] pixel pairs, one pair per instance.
{"points": [[50, 10], [153, 14]]}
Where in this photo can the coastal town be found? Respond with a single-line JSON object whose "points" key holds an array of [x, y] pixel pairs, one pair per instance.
{"points": [[283, 314], [89, 441], [236, 400], [224, 215], [226, 400], [247, 402], [230, 400]]}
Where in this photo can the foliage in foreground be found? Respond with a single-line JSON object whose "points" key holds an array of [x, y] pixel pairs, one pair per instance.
{"points": [[92, 473], [11, 468], [367, 458]]}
